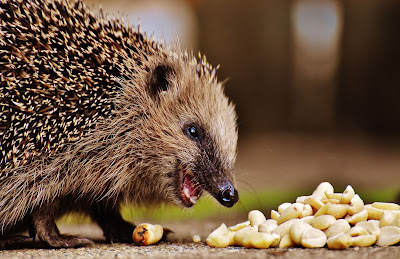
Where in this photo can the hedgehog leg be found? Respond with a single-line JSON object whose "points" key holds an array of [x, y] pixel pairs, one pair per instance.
{"points": [[115, 228], [15, 236], [11, 241], [47, 231]]}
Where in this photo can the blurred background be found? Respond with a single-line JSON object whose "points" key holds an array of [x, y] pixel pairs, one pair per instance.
{"points": [[316, 84]]}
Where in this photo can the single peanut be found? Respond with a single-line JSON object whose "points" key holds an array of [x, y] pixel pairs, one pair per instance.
{"points": [[360, 216], [291, 212], [275, 215], [257, 240], [196, 238], [386, 206], [218, 241], [147, 234], [336, 196], [268, 226], [323, 210], [221, 241], [387, 218], [221, 237], [396, 222], [340, 226], [356, 205], [313, 238], [239, 226], [307, 219], [323, 222], [283, 207], [286, 241], [307, 211], [337, 210], [220, 231], [323, 188], [363, 240], [373, 213], [357, 231], [390, 235], [316, 203], [339, 241], [333, 201], [301, 199], [348, 194], [397, 213], [256, 217]]}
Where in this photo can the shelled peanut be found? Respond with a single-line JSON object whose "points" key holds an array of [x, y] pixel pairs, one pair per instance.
{"points": [[324, 218], [147, 234]]}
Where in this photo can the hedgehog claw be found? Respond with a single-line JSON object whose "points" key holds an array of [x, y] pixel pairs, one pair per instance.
{"points": [[67, 241], [48, 233]]}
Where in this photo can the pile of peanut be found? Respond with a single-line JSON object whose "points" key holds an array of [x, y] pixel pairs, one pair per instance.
{"points": [[338, 220]]}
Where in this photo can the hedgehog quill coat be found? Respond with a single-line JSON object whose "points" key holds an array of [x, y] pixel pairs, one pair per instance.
{"points": [[94, 113]]}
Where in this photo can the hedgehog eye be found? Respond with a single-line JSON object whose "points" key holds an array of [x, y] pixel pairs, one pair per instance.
{"points": [[193, 132]]}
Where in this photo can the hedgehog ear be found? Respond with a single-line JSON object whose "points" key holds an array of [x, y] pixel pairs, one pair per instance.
{"points": [[159, 79]]}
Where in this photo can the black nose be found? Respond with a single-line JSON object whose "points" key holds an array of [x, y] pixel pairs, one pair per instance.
{"points": [[227, 195]]}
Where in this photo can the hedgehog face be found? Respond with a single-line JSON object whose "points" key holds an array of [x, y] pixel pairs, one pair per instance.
{"points": [[197, 126]]}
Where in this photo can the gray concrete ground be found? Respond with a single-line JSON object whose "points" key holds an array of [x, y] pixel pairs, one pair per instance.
{"points": [[179, 245], [190, 250]]}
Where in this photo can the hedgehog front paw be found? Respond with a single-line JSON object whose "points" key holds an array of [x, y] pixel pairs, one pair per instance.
{"points": [[50, 235], [8, 242], [64, 241], [47, 231]]}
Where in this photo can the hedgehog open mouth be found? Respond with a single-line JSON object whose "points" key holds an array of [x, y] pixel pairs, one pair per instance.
{"points": [[190, 188]]}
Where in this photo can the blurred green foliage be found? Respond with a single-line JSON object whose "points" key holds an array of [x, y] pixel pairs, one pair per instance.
{"points": [[207, 207]]}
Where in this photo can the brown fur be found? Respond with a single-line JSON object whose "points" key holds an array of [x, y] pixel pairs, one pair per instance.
{"points": [[132, 155]]}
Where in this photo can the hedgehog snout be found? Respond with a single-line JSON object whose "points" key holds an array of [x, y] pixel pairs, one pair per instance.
{"points": [[227, 195]]}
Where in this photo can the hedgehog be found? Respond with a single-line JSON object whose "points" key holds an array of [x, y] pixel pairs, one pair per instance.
{"points": [[94, 113]]}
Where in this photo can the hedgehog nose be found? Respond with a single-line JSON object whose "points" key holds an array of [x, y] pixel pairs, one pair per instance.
{"points": [[227, 195]]}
